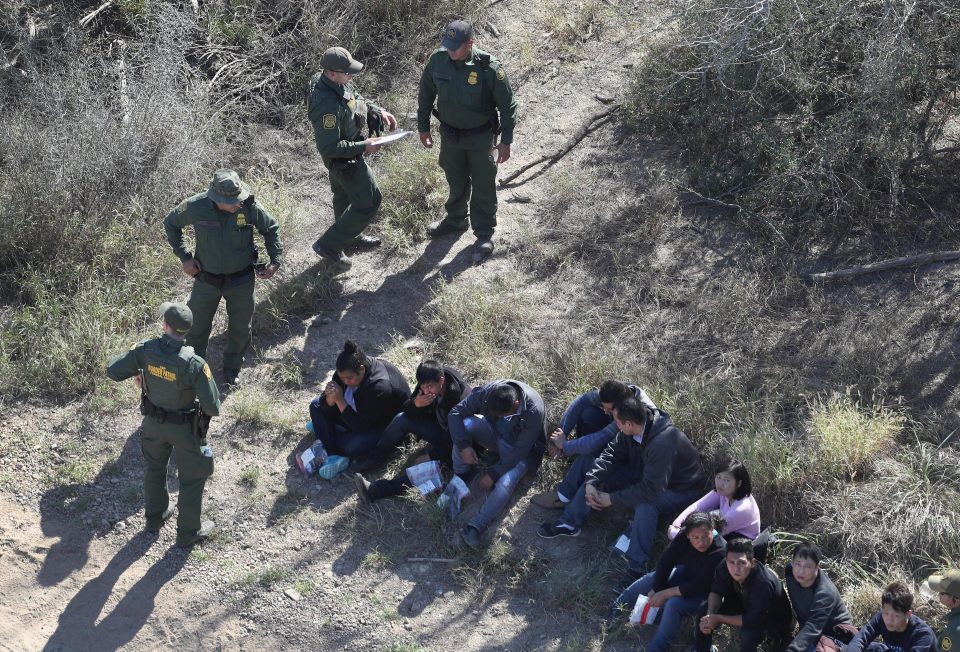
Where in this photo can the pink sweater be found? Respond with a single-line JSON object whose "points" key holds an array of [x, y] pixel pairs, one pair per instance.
{"points": [[742, 515]]}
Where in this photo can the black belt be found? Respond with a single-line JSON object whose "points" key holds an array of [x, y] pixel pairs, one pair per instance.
{"points": [[219, 280], [148, 409], [462, 133]]}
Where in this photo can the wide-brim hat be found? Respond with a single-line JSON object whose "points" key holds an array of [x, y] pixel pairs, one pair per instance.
{"points": [[227, 188]]}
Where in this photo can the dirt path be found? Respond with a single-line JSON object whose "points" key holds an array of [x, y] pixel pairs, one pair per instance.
{"points": [[78, 572]]}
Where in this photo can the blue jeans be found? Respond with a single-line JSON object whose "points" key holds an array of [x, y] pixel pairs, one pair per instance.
{"points": [[671, 615], [337, 437], [591, 419], [427, 430]]}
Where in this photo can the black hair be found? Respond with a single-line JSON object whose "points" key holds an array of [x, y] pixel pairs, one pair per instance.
{"points": [[614, 391], [898, 596], [740, 546], [698, 520], [429, 371], [501, 399], [352, 358], [740, 474], [631, 409], [808, 550]]}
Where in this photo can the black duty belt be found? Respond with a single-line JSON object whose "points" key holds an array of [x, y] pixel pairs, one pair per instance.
{"points": [[463, 133], [148, 409], [220, 280]]}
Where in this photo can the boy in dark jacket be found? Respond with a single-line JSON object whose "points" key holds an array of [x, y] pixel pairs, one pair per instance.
{"points": [[650, 467], [816, 602], [424, 414], [749, 596], [901, 630]]}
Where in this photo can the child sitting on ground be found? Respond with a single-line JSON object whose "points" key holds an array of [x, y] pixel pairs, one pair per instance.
{"points": [[901, 630]]}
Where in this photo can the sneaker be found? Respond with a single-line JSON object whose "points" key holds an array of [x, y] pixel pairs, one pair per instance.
{"points": [[231, 376], [363, 488], [443, 227], [557, 529], [364, 241], [311, 429], [333, 466], [471, 536], [484, 246], [337, 258], [206, 529], [548, 500], [155, 525]]}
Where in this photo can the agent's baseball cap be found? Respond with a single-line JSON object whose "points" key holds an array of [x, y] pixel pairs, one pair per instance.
{"points": [[456, 34], [947, 582], [226, 188], [339, 60], [178, 315]]}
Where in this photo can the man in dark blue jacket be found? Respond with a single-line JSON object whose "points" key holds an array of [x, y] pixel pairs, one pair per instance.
{"points": [[506, 417], [650, 467]]}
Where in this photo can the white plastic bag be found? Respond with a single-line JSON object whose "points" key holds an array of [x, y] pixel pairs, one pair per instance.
{"points": [[643, 613]]}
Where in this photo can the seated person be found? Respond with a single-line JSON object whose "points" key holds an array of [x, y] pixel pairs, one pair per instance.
{"points": [[682, 580], [817, 604], [650, 467], [505, 417], [424, 414], [731, 499], [901, 630], [591, 415], [355, 407], [947, 588], [749, 596]]}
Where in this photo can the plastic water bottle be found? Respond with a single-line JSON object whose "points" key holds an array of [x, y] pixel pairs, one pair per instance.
{"points": [[206, 450]]}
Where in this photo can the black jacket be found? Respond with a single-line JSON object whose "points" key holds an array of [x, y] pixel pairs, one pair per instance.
{"points": [[455, 390], [818, 609], [667, 458], [379, 398], [764, 602], [699, 567]]}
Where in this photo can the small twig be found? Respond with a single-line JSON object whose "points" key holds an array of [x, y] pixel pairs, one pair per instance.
{"points": [[883, 265], [93, 14], [439, 560], [710, 201], [122, 75], [493, 30], [596, 121]]}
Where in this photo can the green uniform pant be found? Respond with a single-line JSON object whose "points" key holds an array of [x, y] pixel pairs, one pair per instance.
{"points": [[203, 302], [356, 199], [193, 468], [467, 165]]}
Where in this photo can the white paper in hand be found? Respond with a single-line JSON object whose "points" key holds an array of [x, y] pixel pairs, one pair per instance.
{"points": [[397, 135], [643, 613]]}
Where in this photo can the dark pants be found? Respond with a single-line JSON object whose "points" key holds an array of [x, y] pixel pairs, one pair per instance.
{"points": [[591, 420], [427, 430], [472, 178], [777, 634], [356, 199], [337, 437], [203, 302], [389, 488]]}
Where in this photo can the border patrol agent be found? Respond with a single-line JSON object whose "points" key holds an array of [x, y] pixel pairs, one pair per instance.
{"points": [[225, 261], [174, 381], [474, 103], [947, 587], [339, 113]]}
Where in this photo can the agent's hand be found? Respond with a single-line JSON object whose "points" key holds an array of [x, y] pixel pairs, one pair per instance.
{"points": [[503, 153], [426, 139], [268, 271], [191, 267], [390, 119], [369, 147], [469, 456], [486, 482]]}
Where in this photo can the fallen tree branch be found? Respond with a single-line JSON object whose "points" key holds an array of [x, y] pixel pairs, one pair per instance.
{"points": [[596, 121], [883, 265], [439, 560], [93, 14], [709, 201]]}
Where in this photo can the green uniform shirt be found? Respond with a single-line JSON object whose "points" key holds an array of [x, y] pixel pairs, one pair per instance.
{"points": [[173, 376], [467, 93], [224, 240], [338, 114], [949, 638]]}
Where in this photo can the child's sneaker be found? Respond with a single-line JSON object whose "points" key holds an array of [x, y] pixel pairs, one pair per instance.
{"points": [[310, 428], [334, 466]]}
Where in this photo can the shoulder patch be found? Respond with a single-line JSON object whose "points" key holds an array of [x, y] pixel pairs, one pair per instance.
{"points": [[946, 643], [329, 121], [206, 371], [182, 208], [500, 73]]}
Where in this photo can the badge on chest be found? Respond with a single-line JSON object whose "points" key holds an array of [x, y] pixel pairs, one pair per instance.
{"points": [[472, 78]]}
